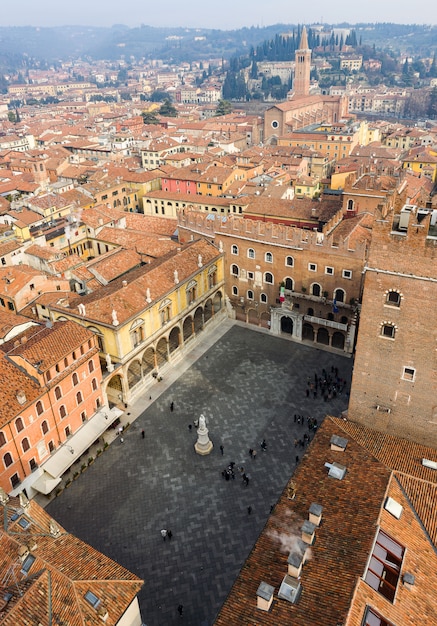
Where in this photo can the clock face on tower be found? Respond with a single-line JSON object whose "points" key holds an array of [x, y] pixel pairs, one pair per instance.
{"points": [[275, 124]]}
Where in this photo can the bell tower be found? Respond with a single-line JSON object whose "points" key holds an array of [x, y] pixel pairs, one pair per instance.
{"points": [[301, 83]]}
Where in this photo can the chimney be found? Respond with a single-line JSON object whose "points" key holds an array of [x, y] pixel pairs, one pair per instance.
{"points": [[338, 443], [124, 283], [23, 551], [102, 613], [264, 596], [54, 529], [23, 339], [21, 397], [308, 531], [315, 512], [296, 559]]}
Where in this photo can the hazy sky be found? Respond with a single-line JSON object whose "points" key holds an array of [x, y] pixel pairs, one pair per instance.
{"points": [[222, 14]]}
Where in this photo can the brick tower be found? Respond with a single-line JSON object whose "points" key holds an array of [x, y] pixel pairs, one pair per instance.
{"points": [[301, 83], [394, 380]]}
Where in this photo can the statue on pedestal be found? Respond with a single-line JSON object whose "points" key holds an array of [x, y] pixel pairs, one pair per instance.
{"points": [[109, 364], [203, 444]]}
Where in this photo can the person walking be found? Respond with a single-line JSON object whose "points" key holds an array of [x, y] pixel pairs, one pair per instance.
{"points": [[171, 406], [164, 533], [249, 510], [180, 609], [221, 449], [143, 434]]}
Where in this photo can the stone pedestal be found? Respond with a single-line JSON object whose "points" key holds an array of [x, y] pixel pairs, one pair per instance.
{"points": [[203, 444]]}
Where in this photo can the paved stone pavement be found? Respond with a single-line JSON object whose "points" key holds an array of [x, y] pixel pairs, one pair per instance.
{"points": [[249, 385]]}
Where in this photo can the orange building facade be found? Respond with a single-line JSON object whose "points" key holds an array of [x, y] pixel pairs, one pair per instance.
{"points": [[51, 388]]}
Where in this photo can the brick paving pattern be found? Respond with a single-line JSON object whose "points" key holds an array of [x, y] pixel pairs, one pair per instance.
{"points": [[248, 385]]}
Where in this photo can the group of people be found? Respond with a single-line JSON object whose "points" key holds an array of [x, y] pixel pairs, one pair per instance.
{"points": [[328, 384]]}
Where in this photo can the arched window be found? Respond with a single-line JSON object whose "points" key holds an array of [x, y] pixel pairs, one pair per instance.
{"points": [[263, 298], [58, 393], [25, 444], [269, 257], [393, 298], [100, 339], [19, 424], [2, 439], [75, 379], [350, 205], [316, 289], [90, 366], [39, 408], [65, 362], [94, 384], [251, 253], [235, 271], [250, 294], [7, 459], [339, 295], [289, 284], [79, 398], [62, 411], [331, 317], [344, 319], [289, 261], [234, 290], [268, 278], [234, 249], [44, 427]]}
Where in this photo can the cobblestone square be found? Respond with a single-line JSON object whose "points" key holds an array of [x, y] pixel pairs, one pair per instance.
{"points": [[249, 385]]}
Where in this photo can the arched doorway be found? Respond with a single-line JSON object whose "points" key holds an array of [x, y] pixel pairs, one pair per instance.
{"points": [[307, 332], [187, 328], [198, 320], [134, 374], [252, 316], [316, 290], [174, 339], [161, 352], [148, 361], [287, 325], [338, 340], [217, 302], [114, 390], [207, 312], [265, 319], [323, 336], [339, 295]]}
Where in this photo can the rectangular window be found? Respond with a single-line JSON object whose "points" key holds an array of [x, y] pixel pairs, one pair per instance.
{"points": [[92, 599], [312, 267], [347, 274], [372, 618], [385, 566], [250, 275], [409, 373], [329, 270]]}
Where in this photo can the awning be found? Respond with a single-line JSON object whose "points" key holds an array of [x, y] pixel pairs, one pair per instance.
{"points": [[46, 483], [75, 446]]}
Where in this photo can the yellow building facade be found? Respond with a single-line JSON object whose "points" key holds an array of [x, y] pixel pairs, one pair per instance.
{"points": [[144, 322]]}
